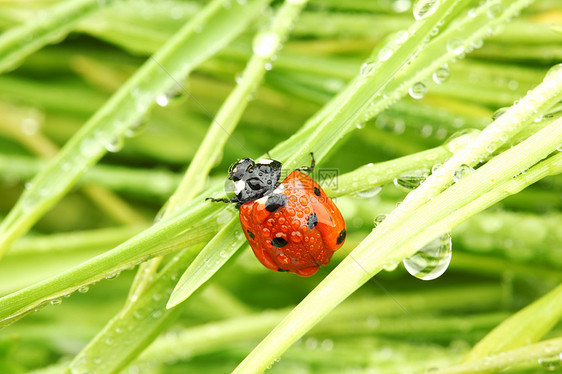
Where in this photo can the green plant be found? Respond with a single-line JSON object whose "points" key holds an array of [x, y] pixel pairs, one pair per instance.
{"points": [[198, 301]]}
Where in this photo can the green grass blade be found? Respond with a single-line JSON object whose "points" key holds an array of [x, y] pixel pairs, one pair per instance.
{"points": [[527, 326], [131, 330], [158, 240]]}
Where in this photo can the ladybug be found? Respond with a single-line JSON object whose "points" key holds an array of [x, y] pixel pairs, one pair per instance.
{"points": [[292, 226]]}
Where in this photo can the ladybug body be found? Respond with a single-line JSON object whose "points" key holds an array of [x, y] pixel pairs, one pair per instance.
{"points": [[292, 226]]}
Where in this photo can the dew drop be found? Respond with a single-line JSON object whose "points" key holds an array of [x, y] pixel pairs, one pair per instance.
{"points": [[559, 148], [57, 301], [112, 276], [162, 100], [115, 145], [455, 46], [390, 266], [378, 219], [136, 128], [83, 289], [401, 6], [551, 363], [402, 36], [411, 180], [461, 172], [385, 53], [432, 260], [554, 71], [461, 139], [29, 126], [367, 68], [424, 8], [498, 113], [265, 44], [418, 90], [366, 194], [494, 11], [441, 75]]}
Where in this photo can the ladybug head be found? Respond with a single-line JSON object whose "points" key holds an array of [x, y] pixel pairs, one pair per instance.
{"points": [[254, 180]]}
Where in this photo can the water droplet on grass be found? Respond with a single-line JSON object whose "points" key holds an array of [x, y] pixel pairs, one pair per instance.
{"points": [[432, 260], [411, 180], [441, 75], [366, 194], [461, 172], [265, 45], [424, 8], [418, 90], [498, 113], [367, 68]]}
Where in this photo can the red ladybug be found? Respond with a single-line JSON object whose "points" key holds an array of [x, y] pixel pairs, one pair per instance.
{"points": [[291, 226]]}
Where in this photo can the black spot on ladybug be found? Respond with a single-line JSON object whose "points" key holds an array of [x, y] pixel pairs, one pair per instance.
{"points": [[312, 221], [282, 270], [275, 202], [316, 191], [251, 234], [278, 242], [341, 237]]}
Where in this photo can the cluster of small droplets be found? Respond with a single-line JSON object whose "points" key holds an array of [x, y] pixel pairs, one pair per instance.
{"points": [[432, 260]]}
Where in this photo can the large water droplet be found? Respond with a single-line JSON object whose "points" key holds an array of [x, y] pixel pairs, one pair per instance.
{"points": [[411, 179], [378, 219], [432, 260], [424, 8], [418, 90]]}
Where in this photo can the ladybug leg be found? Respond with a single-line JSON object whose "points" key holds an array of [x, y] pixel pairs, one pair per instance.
{"points": [[309, 169], [223, 200]]}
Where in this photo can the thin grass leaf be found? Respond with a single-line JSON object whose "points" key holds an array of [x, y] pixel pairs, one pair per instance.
{"points": [[544, 355], [525, 327]]}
